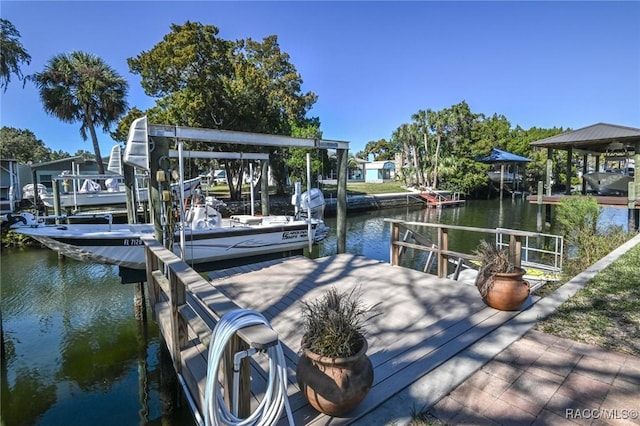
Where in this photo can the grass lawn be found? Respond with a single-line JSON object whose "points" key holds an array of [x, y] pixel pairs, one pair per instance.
{"points": [[355, 188], [606, 312]]}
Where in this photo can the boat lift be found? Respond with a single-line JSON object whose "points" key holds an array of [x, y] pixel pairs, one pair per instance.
{"points": [[141, 143]]}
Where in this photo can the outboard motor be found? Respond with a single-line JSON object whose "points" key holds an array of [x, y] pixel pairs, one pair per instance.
{"points": [[12, 220], [204, 215], [111, 184], [315, 200], [23, 219]]}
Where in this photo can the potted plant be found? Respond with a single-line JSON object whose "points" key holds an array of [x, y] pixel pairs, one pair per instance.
{"points": [[334, 372], [499, 281]]}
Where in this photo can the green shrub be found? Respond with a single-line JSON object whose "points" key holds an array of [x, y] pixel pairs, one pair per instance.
{"points": [[585, 242]]}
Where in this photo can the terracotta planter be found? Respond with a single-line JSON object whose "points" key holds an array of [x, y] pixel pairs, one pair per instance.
{"points": [[509, 291], [334, 386]]}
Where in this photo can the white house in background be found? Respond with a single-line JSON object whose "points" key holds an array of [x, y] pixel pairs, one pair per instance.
{"points": [[379, 171]]}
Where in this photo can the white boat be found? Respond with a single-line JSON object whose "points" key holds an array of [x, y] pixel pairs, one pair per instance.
{"points": [[207, 237], [28, 192], [91, 194], [494, 176], [609, 183]]}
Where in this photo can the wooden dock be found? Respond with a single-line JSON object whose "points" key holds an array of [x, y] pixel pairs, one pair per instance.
{"points": [[603, 200], [425, 322], [439, 199]]}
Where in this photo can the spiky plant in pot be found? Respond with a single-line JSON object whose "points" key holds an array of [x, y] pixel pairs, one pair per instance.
{"points": [[333, 371], [493, 260], [334, 323]]}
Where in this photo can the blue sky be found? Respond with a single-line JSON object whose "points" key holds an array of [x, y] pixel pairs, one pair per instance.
{"points": [[372, 64]]}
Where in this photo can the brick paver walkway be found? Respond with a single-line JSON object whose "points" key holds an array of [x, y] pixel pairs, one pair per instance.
{"points": [[546, 380]]}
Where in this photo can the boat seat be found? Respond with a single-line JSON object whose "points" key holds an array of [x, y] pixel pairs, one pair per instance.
{"points": [[246, 219]]}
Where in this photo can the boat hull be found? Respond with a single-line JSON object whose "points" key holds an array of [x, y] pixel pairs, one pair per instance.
{"points": [[123, 246], [605, 183], [508, 177]]}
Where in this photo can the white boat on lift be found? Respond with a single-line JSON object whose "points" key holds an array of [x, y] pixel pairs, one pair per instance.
{"points": [[84, 190], [91, 193], [612, 180], [608, 183], [207, 236]]}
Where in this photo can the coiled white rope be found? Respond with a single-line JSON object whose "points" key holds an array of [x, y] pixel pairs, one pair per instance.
{"points": [[275, 398]]}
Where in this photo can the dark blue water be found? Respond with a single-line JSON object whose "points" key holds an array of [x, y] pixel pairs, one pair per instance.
{"points": [[75, 354]]}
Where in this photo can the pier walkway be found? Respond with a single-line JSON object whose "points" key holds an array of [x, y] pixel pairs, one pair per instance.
{"points": [[432, 335], [426, 327]]}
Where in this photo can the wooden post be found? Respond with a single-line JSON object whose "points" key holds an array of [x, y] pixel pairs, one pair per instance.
{"points": [[139, 305], [631, 204], [515, 250], [57, 209], [152, 287], [443, 245], [585, 158], [130, 193], [177, 298], [567, 189], [549, 173], [264, 188], [394, 254], [341, 220], [539, 199], [158, 161]]}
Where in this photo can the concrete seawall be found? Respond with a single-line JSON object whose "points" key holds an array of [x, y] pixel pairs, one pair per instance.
{"points": [[375, 202]]}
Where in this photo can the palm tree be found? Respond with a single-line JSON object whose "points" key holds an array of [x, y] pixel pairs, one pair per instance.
{"points": [[81, 87], [438, 122], [12, 53]]}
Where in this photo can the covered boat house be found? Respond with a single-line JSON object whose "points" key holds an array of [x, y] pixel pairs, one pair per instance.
{"points": [[505, 159], [599, 141]]}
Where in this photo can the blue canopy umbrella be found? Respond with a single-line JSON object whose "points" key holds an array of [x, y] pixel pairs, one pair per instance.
{"points": [[498, 156]]}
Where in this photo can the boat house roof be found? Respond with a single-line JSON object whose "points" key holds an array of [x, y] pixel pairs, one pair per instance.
{"points": [[597, 138], [499, 156]]}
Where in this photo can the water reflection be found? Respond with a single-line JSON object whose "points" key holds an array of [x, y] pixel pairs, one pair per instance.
{"points": [[74, 352]]}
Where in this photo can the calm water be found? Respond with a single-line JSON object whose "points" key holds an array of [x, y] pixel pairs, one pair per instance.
{"points": [[75, 354]]}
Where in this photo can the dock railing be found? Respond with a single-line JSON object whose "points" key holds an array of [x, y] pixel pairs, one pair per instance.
{"points": [[187, 321], [548, 253]]}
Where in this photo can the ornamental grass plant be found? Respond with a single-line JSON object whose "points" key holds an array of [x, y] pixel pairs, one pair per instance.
{"points": [[334, 323], [493, 260]]}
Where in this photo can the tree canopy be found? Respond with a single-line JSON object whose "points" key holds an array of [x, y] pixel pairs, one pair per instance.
{"points": [[24, 146], [81, 87], [12, 53], [201, 80], [438, 148]]}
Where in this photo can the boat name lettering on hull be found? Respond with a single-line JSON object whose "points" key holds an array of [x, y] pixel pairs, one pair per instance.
{"points": [[132, 242], [294, 235]]}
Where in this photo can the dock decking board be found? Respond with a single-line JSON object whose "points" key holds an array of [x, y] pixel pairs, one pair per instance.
{"points": [[424, 323], [423, 317]]}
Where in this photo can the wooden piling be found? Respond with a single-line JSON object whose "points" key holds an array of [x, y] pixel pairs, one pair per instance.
{"points": [[139, 305]]}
